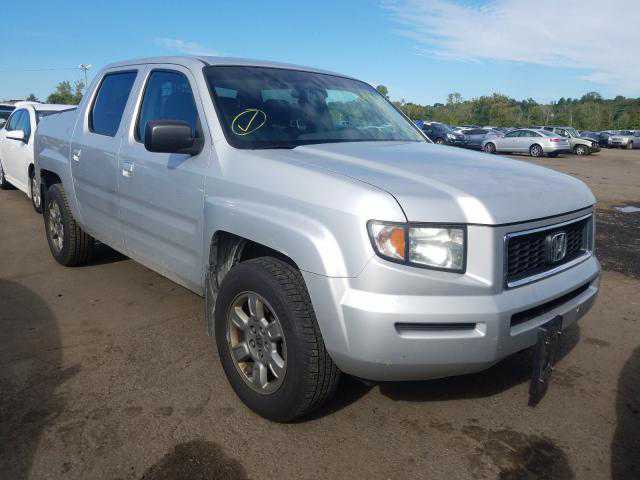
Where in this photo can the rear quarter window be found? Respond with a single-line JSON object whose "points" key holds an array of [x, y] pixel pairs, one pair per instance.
{"points": [[108, 106]]}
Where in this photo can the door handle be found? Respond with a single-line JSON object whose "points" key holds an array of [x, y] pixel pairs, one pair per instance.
{"points": [[127, 169], [75, 155]]}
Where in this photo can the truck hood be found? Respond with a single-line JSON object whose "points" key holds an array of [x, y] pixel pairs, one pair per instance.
{"points": [[435, 183]]}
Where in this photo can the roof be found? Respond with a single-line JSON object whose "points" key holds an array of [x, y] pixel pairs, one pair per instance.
{"points": [[201, 61], [44, 107]]}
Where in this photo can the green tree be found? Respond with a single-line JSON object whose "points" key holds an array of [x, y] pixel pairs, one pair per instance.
{"points": [[67, 94], [382, 90]]}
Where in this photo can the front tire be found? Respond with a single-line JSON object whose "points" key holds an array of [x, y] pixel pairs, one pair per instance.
{"points": [[581, 150], [269, 342], [630, 146], [536, 150], [36, 197], [439, 141], [69, 244], [490, 148]]}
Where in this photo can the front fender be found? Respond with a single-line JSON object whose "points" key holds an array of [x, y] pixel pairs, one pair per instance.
{"points": [[310, 243]]}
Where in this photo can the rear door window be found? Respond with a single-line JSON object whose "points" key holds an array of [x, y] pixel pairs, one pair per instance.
{"points": [[110, 102], [168, 96]]}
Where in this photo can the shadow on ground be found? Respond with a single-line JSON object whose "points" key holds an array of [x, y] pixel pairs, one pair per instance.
{"points": [[103, 254], [618, 242], [511, 371], [30, 371], [625, 448], [197, 459]]}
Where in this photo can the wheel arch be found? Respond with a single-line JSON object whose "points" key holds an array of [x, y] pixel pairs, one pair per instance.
{"points": [[226, 250]]}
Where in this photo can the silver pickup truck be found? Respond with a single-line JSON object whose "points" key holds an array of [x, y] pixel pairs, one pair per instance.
{"points": [[327, 234]]}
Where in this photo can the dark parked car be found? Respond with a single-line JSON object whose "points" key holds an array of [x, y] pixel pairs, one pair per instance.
{"points": [[5, 112], [474, 137], [441, 133]]}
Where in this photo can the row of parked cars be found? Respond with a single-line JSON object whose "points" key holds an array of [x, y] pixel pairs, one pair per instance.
{"points": [[550, 140], [326, 233]]}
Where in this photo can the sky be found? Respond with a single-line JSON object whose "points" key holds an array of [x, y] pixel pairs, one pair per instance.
{"points": [[421, 50]]}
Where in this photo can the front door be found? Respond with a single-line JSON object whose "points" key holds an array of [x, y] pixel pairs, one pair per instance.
{"points": [[162, 194], [17, 153], [94, 157]]}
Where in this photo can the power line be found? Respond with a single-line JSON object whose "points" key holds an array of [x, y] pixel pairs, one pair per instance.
{"points": [[39, 69]]}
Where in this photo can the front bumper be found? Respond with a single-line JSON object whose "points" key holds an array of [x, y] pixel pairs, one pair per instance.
{"points": [[456, 142], [395, 322]]}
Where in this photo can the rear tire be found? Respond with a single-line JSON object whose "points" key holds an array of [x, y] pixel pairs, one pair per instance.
{"points": [[36, 196], [308, 375], [536, 150], [69, 244], [490, 148]]}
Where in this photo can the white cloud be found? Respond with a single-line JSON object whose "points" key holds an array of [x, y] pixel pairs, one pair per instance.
{"points": [[599, 39], [183, 46]]}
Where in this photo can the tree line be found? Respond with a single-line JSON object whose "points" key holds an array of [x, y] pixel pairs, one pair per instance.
{"points": [[589, 112]]}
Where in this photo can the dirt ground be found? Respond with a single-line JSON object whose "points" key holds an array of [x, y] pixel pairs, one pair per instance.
{"points": [[106, 373]]}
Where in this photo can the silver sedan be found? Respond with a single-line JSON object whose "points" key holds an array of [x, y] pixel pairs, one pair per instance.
{"points": [[535, 142]]}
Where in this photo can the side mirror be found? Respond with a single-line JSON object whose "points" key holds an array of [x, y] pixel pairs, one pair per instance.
{"points": [[171, 136], [2, 122], [16, 135]]}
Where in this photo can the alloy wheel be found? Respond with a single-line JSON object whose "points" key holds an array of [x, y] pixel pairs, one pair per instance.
{"points": [[256, 342], [55, 227], [536, 151]]}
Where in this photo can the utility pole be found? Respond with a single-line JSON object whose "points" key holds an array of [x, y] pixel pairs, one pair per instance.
{"points": [[84, 67]]}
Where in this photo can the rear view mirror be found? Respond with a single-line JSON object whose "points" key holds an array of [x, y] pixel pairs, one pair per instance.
{"points": [[171, 136], [16, 135]]}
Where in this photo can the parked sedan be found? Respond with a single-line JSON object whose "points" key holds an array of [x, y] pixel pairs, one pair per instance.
{"points": [[536, 143], [476, 136], [443, 134]]}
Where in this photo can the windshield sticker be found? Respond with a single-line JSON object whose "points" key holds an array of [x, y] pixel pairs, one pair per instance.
{"points": [[248, 121]]}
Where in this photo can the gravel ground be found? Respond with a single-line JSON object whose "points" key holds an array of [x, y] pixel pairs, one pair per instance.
{"points": [[105, 372]]}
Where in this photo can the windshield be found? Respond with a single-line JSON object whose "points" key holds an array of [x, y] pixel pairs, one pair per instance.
{"points": [[263, 107], [573, 132]]}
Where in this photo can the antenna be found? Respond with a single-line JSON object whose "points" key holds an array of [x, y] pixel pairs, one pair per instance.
{"points": [[84, 67]]}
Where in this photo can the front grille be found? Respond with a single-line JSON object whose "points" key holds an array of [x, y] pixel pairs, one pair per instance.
{"points": [[528, 255]]}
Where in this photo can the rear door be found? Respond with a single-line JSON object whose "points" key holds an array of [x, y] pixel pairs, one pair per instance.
{"points": [[94, 156], [475, 137], [162, 194], [526, 139]]}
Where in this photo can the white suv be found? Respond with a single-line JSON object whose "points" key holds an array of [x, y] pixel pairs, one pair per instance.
{"points": [[16, 147]]}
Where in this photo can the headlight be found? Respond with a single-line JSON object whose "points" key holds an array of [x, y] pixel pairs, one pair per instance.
{"points": [[451, 136], [440, 247]]}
